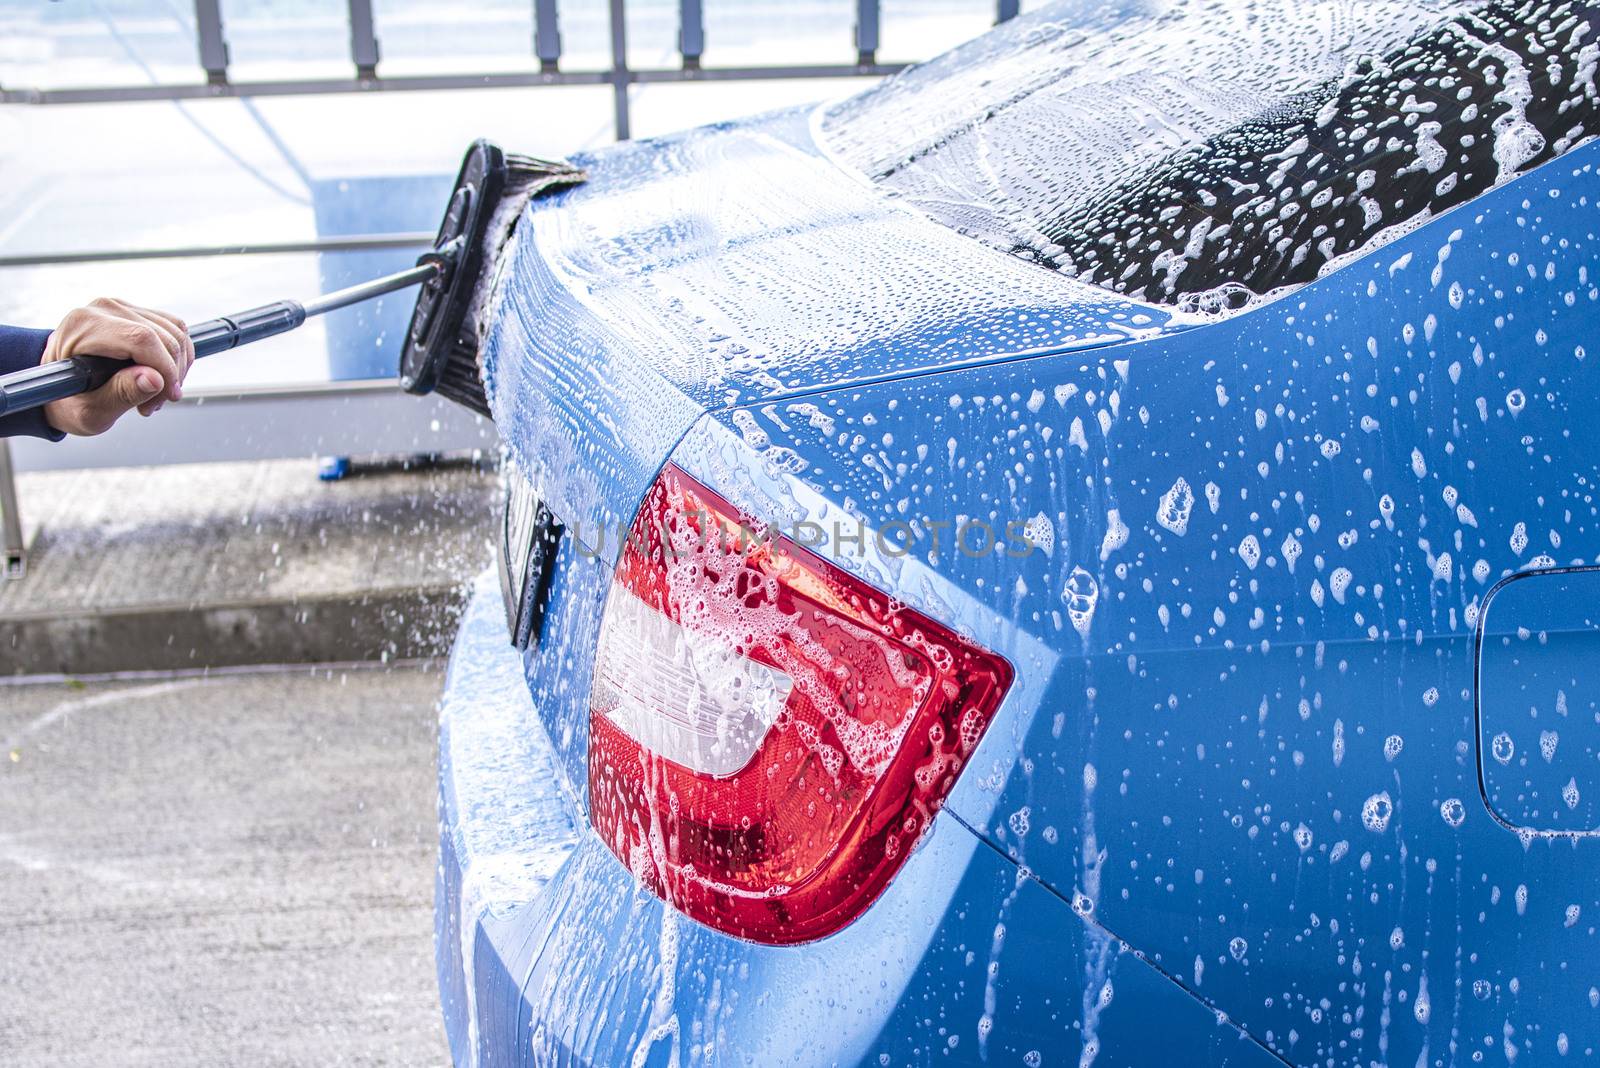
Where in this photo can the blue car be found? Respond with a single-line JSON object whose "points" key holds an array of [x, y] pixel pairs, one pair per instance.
{"points": [[1084, 553]]}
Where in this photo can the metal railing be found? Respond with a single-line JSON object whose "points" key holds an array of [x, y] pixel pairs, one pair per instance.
{"points": [[366, 61], [13, 558], [348, 243], [367, 417]]}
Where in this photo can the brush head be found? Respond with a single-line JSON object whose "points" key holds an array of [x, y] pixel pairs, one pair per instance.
{"points": [[441, 346]]}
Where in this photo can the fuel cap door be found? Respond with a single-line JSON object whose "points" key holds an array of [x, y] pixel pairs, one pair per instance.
{"points": [[1538, 700]]}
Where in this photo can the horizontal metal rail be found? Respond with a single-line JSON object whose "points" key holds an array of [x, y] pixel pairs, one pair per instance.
{"points": [[351, 243], [546, 47], [363, 418], [120, 94]]}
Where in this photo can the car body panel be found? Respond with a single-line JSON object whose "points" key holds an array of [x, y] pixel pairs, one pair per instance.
{"points": [[1249, 755], [735, 263], [551, 953], [1242, 751]]}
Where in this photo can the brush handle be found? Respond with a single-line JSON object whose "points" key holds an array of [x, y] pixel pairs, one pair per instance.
{"points": [[231, 331], [36, 386]]}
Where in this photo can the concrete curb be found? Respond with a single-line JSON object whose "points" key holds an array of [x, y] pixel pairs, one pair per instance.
{"points": [[398, 624], [203, 566]]}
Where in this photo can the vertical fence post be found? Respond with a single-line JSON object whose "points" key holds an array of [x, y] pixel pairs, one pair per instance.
{"points": [[1008, 10], [13, 560], [691, 32], [546, 35], [363, 40], [866, 32], [619, 67], [213, 48]]}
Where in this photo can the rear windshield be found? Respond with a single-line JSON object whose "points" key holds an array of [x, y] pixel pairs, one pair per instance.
{"points": [[1207, 153]]}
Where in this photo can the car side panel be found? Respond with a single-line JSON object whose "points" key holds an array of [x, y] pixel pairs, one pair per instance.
{"points": [[1262, 548]]}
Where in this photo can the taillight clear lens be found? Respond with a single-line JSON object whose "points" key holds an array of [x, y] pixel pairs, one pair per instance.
{"points": [[769, 734]]}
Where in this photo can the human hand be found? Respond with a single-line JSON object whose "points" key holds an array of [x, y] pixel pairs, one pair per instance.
{"points": [[157, 343]]}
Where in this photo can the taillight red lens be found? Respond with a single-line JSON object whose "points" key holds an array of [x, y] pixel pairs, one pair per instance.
{"points": [[770, 735]]}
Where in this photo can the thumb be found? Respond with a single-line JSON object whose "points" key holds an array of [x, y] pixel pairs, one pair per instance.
{"points": [[131, 388]]}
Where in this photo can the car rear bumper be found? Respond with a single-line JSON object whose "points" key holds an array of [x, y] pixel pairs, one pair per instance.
{"points": [[549, 951]]}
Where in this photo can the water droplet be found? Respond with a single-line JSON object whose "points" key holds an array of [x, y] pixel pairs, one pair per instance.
{"points": [[1176, 504], [1503, 748], [1453, 811], [1376, 812], [1250, 551], [1116, 535], [1422, 1008], [1081, 594], [1519, 538], [1338, 582], [1548, 740]]}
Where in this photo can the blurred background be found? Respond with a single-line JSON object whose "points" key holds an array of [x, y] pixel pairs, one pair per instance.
{"points": [[298, 166]]}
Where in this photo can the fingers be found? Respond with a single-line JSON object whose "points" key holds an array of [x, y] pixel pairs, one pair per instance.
{"points": [[154, 340], [108, 327], [175, 335], [144, 342]]}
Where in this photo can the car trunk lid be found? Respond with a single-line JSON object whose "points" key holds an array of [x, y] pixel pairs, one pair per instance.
{"points": [[738, 264]]}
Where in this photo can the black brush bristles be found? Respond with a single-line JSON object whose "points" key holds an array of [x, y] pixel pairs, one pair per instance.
{"points": [[441, 350]]}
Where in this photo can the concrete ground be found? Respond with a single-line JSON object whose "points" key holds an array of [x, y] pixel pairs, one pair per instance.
{"points": [[222, 564], [232, 870]]}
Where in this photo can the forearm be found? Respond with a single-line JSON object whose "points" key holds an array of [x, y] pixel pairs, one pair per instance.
{"points": [[21, 349]]}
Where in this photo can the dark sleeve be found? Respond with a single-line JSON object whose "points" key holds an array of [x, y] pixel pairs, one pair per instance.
{"points": [[21, 349]]}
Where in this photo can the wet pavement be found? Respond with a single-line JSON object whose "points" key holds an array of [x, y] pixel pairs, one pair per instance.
{"points": [[232, 870], [204, 565]]}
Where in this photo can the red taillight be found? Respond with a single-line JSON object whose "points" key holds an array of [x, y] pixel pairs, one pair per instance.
{"points": [[770, 736]]}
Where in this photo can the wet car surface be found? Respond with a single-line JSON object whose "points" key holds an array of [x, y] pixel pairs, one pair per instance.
{"points": [[1123, 602]]}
